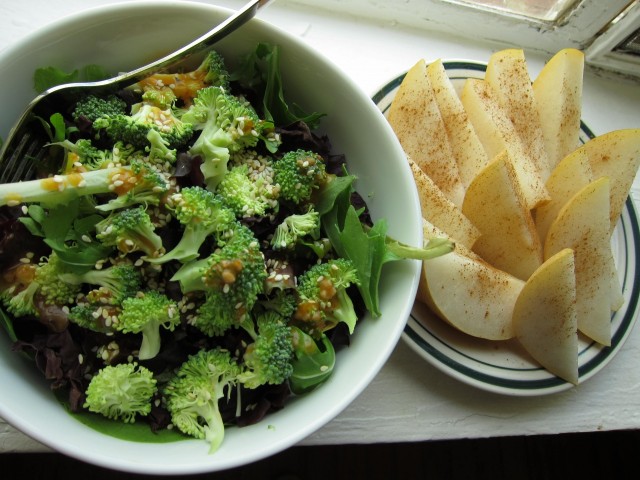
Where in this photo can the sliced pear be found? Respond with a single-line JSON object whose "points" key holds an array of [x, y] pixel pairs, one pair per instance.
{"points": [[615, 155], [583, 225], [416, 121], [470, 294], [429, 231], [558, 98], [508, 75], [545, 317], [497, 133], [465, 144], [570, 175], [441, 211], [495, 204]]}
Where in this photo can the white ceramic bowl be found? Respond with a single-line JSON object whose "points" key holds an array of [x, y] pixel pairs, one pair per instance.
{"points": [[111, 36]]}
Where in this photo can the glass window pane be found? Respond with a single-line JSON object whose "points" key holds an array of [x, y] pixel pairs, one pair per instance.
{"points": [[548, 10]]}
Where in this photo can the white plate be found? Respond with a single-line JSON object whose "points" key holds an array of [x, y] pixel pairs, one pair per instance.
{"points": [[504, 367]]}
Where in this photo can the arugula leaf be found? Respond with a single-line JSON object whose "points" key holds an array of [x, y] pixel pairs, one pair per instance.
{"points": [[369, 248], [47, 77], [260, 71], [68, 233], [35, 216], [330, 192], [313, 363], [7, 325]]}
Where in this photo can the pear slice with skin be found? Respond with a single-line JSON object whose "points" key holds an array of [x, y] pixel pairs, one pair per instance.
{"points": [[497, 133], [495, 204], [545, 317], [415, 118], [465, 144], [558, 98], [441, 211], [615, 155], [468, 293], [508, 75], [567, 178], [583, 225]]}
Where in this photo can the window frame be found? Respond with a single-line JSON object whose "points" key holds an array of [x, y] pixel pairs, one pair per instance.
{"points": [[579, 27]]}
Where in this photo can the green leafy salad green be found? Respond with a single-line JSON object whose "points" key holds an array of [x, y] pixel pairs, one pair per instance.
{"points": [[192, 252]]}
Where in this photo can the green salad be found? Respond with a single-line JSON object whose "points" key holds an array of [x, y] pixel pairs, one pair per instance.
{"points": [[191, 252]]}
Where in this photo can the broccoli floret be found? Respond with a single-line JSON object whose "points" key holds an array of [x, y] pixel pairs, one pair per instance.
{"points": [[226, 124], [130, 230], [214, 69], [232, 277], [299, 173], [268, 359], [118, 281], [294, 228], [126, 154], [138, 184], [61, 189], [134, 128], [95, 315], [33, 282], [213, 318], [202, 214], [245, 195], [121, 392], [194, 393], [323, 298], [93, 107], [146, 313], [159, 151], [184, 86], [282, 301], [18, 295], [53, 290], [82, 156], [162, 98]]}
